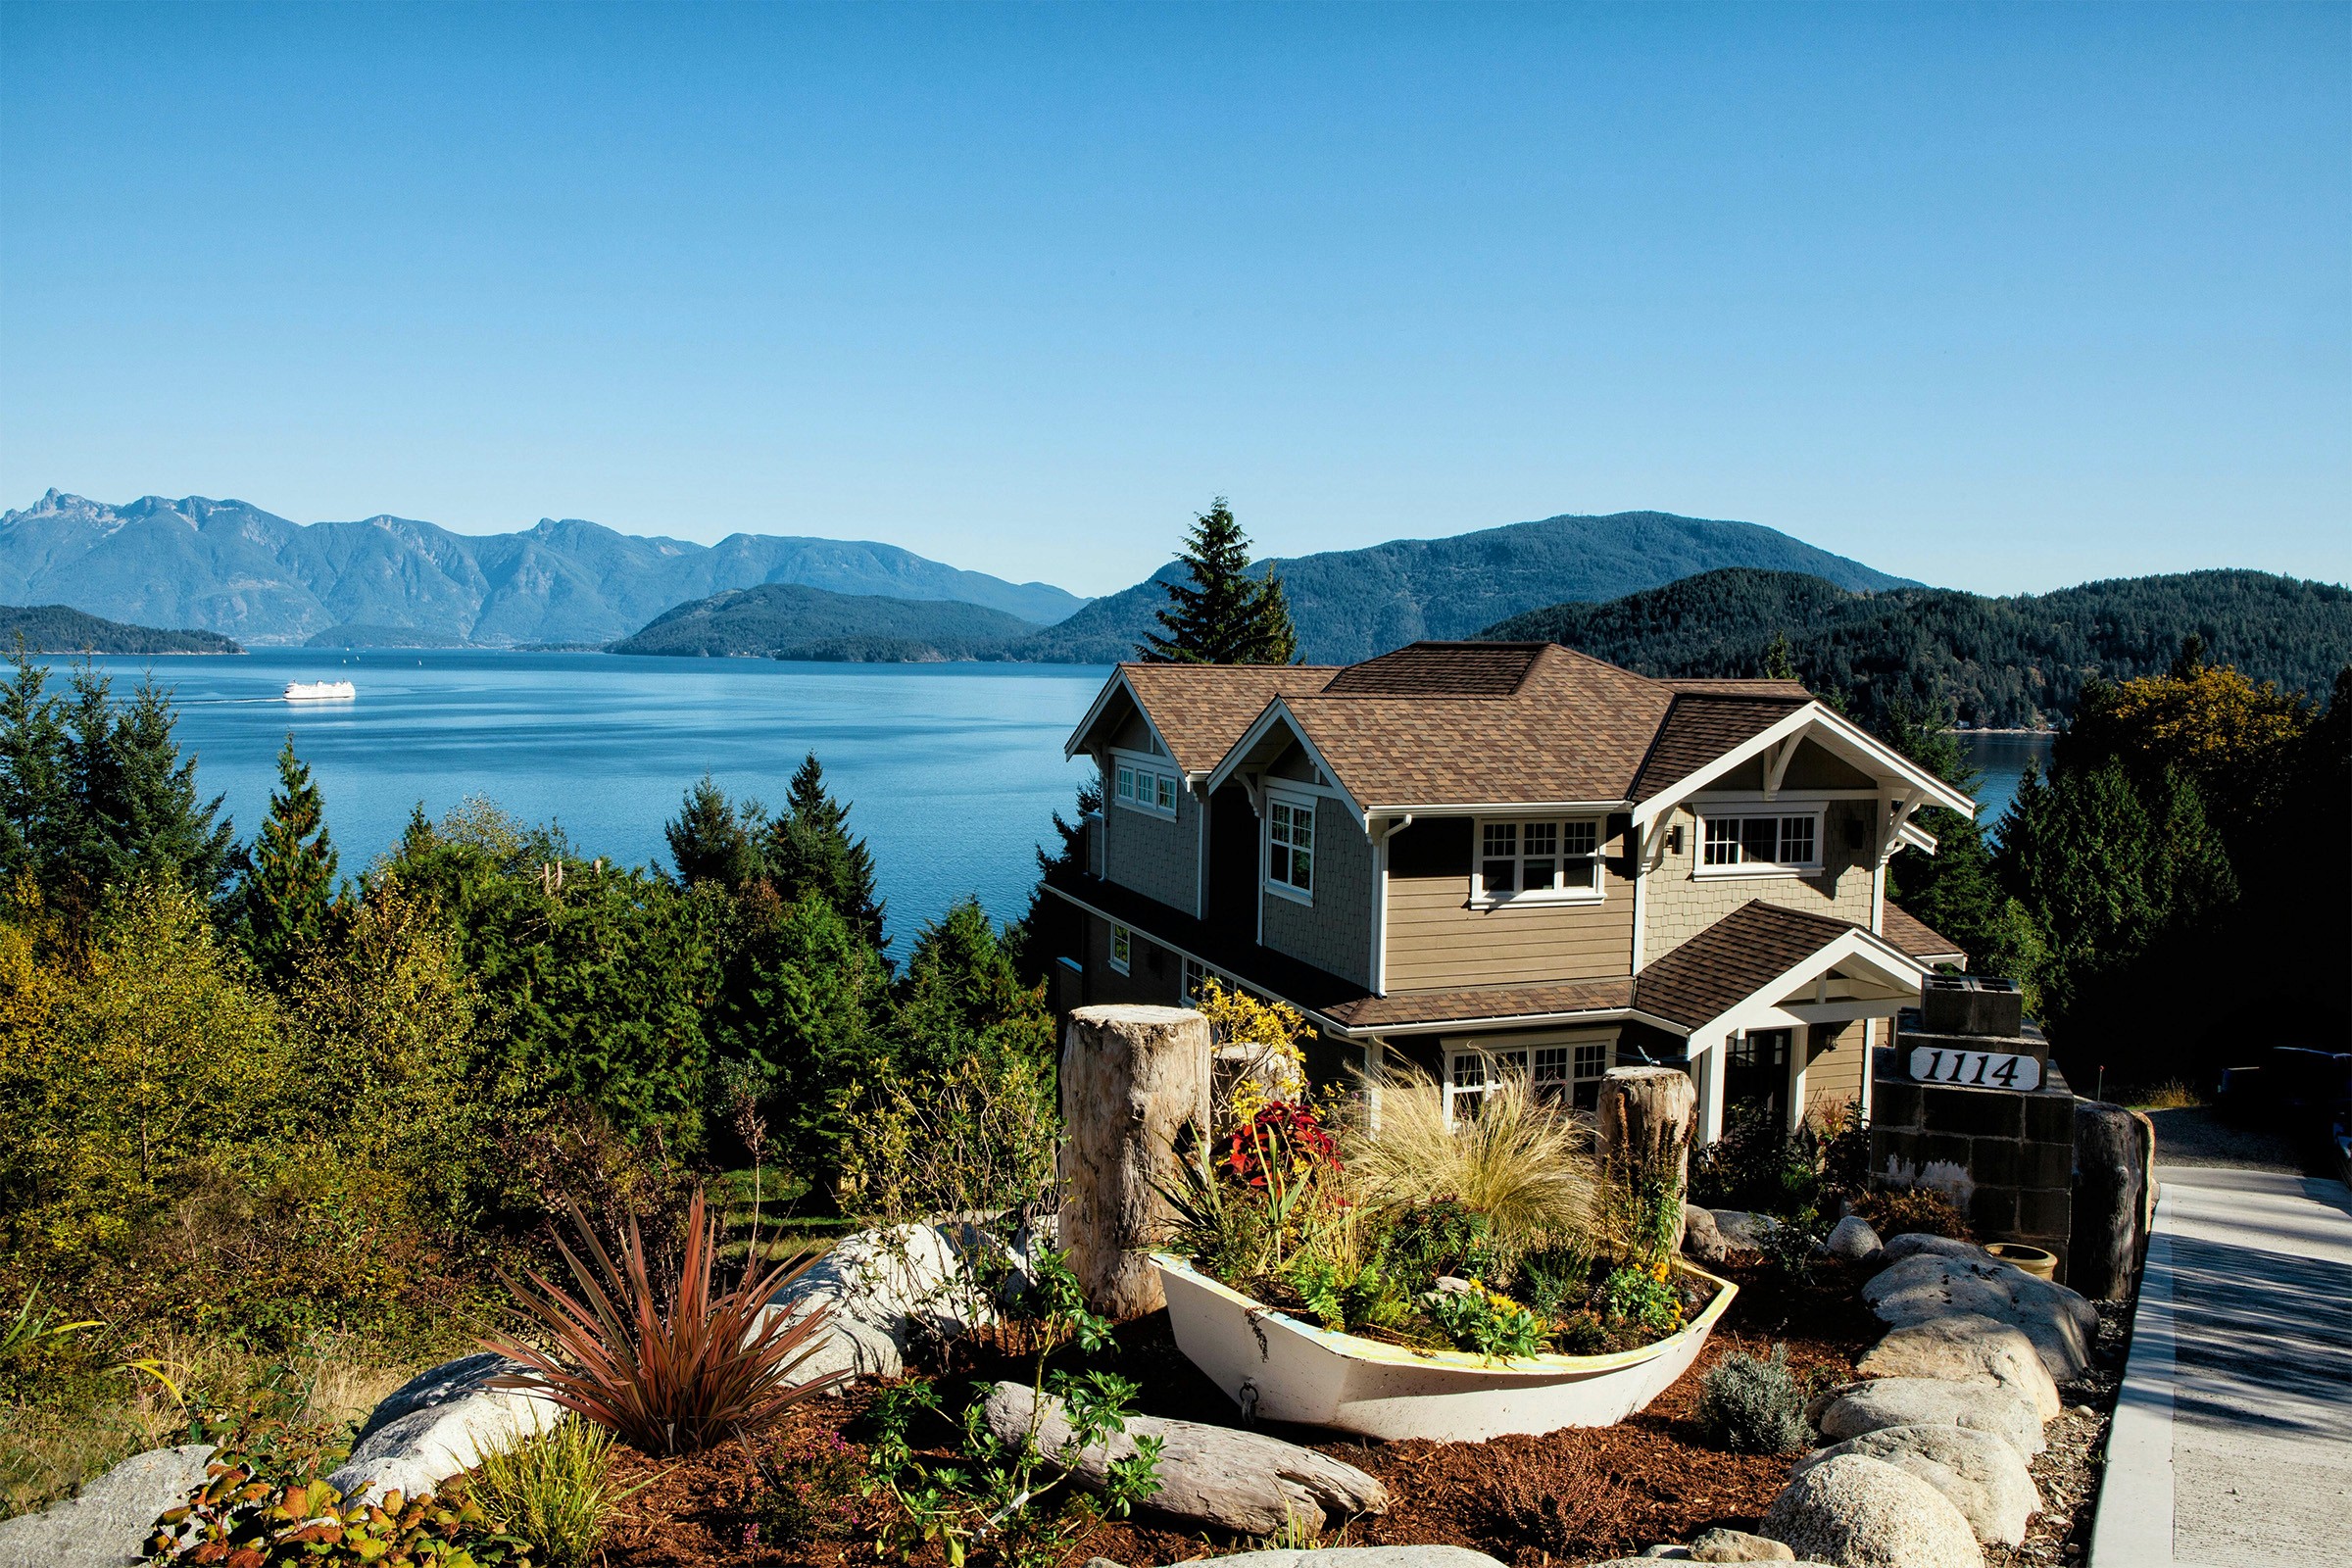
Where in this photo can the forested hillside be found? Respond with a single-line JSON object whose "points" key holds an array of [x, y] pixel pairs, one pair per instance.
{"points": [[2004, 663], [58, 629], [780, 621], [1349, 605]]}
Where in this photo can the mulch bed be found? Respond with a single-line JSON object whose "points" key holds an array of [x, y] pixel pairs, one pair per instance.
{"points": [[1577, 1496]]}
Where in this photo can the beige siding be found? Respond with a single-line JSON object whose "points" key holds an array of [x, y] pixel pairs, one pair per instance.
{"points": [[1834, 1066], [1335, 932], [1437, 941], [1678, 906], [1157, 858]]}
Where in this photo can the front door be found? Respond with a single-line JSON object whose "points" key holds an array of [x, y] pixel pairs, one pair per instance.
{"points": [[1757, 1072]]}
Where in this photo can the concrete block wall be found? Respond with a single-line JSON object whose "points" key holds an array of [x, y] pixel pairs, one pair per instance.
{"points": [[2017, 1152]]}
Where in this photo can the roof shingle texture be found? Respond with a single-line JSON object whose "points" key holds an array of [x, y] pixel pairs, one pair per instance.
{"points": [[1915, 937], [1202, 709], [1730, 960], [1701, 727]]}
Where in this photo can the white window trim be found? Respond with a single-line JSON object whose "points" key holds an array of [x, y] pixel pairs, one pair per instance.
{"points": [[1481, 899], [1454, 1050], [1119, 966], [1297, 800], [1755, 870], [1159, 769]]}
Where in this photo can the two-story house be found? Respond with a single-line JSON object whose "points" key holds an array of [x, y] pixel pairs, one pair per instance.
{"points": [[1480, 856]]}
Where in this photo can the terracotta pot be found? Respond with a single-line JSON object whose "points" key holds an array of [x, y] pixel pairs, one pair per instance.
{"points": [[2032, 1259]]}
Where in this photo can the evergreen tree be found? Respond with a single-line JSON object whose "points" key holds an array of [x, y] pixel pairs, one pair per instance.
{"points": [[1223, 615], [964, 998], [1779, 660], [35, 805], [286, 899], [712, 839], [1954, 890], [809, 849], [1047, 925]]}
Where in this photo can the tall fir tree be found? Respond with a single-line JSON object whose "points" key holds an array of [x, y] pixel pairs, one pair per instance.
{"points": [[1223, 615], [712, 839], [810, 849], [286, 899], [35, 805]]}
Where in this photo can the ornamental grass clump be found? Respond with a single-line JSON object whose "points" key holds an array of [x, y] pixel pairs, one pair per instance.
{"points": [[552, 1490], [671, 1370], [1522, 1160]]}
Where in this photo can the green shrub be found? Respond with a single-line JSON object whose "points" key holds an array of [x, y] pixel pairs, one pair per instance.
{"points": [[808, 1489], [1556, 1280], [1753, 1405], [552, 1489], [1432, 1240], [1494, 1326], [1640, 1299], [241, 1516]]}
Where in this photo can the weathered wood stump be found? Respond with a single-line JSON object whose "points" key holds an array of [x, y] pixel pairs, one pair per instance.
{"points": [[1131, 1078], [1244, 1482], [1646, 1116], [2113, 1149]]}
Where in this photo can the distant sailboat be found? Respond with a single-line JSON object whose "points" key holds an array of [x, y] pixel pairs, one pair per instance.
{"points": [[320, 690]]}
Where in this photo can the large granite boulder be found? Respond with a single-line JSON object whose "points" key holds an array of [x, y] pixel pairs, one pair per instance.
{"points": [[1701, 1241], [108, 1525], [1932, 1277], [1966, 1348], [1742, 1231], [1977, 1473], [1738, 1545], [439, 1423], [890, 1290], [1852, 1239], [1861, 1407], [1859, 1512]]}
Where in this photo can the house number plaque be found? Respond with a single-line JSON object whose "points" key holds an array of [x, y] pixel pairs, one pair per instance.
{"points": [[1974, 1069]]}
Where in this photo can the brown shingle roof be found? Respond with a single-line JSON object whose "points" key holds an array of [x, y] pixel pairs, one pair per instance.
{"points": [[1573, 729], [1485, 1005], [1730, 960], [1701, 727], [1915, 937], [1202, 709], [1439, 669]]}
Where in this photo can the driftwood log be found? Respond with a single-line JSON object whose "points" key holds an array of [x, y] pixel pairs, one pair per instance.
{"points": [[1131, 1078], [1244, 1482], [2113, 1151], [1647, 1115]]}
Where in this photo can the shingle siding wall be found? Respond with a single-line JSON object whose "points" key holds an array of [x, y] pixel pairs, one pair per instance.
{"points": [[1154, 976], [1835, 1064], [1678, 906], [1151, 855], [1335, 933]]}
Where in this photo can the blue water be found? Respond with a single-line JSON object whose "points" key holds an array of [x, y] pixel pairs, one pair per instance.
{"points": [[952, 772], [2002, 759]]}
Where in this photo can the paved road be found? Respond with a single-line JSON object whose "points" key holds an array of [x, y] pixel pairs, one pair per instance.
{"points": [[2233, 1437]]}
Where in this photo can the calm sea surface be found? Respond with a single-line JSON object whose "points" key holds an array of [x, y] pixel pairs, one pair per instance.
{"points": [[953, 771]]}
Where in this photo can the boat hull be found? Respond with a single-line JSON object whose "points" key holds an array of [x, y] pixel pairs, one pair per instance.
{"points": [[1277, 1368]]}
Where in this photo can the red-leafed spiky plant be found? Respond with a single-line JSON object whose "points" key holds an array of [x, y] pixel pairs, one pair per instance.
{"points": [[667, 1373]]}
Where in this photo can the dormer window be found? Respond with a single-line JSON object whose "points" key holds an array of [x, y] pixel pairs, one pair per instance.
{"points": [[1144, 785], [1291, 847], [1777, 843], [1543, 860]]}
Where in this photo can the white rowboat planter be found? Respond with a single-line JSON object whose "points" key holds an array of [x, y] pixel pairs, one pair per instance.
{"points": [[1277, 1368]]}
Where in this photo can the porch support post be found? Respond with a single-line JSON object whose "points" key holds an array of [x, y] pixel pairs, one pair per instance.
{"points": [[1706, 1071], [1801, 1044]]}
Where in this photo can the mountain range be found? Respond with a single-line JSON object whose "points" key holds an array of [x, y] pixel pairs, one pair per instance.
{"points": [[232, 567], [1349, 605]]}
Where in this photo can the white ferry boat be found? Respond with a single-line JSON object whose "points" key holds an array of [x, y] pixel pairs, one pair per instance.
{"points": [[320, 690]]}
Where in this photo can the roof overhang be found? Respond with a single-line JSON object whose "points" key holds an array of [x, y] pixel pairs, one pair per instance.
{"points": [[1118, 683], [1768, 1004], [1277, 712], [1320, 1019], [1834, 733]]}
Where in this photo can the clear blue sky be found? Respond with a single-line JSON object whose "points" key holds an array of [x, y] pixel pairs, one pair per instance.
{"points": [[1998, 297]]}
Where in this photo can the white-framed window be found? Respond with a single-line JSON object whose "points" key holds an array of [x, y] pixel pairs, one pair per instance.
{"points": [[1748, 843], [1569, 1070], [1193, 974], [1122, 947], [1143, 785], [1543, 860], [1291, 847]]}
